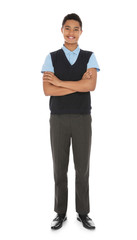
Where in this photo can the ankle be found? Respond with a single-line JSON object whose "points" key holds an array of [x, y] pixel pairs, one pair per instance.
{"points": [[82, 216], [62, 215]]}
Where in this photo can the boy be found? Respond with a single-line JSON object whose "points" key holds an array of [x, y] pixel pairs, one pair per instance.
{"points": [[69, 74]]}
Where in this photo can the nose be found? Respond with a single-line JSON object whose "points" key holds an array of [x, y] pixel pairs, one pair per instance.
{"points": [[71, 32]]}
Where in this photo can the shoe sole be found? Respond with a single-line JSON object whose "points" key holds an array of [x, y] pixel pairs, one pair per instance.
{"points": [[60, 225], [91, 228]]}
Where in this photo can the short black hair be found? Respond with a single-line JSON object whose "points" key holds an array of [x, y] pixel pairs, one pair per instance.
{"points": [[72, 16]]}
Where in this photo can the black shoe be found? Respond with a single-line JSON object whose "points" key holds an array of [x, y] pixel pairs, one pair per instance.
{"points": [[58, 221], [86, 221]]}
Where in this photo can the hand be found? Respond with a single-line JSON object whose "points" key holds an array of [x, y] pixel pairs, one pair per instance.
{"points": [[51, 78], [87, 74]]}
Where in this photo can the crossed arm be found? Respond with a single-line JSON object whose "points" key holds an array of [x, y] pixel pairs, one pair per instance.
{"points": [[53, 86]]}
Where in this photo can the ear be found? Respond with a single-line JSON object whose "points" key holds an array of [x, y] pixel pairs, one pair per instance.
{"points": [[62, 30], [81, 32]]}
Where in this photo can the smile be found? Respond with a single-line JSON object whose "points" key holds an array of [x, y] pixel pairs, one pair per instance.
{"points": [[71, 37]]}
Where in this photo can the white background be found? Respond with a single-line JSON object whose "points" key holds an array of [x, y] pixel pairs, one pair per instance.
{"points": [[29, 31]]}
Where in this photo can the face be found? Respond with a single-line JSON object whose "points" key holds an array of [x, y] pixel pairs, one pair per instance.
{"points": [[71, 31]]}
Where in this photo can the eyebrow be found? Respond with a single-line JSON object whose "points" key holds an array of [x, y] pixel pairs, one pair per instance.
{"points": [[74, 27]]}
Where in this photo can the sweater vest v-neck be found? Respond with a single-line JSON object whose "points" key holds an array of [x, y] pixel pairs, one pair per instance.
{"points": [[74, 103]]}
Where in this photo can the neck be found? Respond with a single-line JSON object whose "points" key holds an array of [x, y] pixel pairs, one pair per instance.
{"points": [[71, 46]]}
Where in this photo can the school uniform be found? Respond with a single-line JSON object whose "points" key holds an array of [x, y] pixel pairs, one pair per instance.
{"points": [[71, 123]]}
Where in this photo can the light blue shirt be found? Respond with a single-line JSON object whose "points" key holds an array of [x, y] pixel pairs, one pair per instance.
{"points": [[72, 57]]}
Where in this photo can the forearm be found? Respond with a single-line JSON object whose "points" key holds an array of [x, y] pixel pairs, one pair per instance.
{"points": [[51, 90], [83, 85], [86, 84]]}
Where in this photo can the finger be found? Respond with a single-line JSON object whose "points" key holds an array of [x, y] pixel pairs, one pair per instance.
{"points": [[50, 73], [47, 73], [47, 76], [90, 73], [46, 79], [86, 75], [86, 72]]}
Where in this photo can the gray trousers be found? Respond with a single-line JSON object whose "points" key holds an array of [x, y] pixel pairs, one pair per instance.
{"points": [[63, 129]]}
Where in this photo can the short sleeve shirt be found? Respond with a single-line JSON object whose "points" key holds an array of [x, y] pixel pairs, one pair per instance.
{"points": [[72, 57]]}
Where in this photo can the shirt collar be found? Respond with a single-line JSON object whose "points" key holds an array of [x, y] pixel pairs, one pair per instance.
{"points": [[67, 51]]}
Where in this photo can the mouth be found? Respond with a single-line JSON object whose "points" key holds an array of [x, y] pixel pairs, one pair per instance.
{"points": [[69, 37]]}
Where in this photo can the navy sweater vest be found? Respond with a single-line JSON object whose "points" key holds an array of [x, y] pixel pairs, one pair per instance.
{"points": [[74, 103]]}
